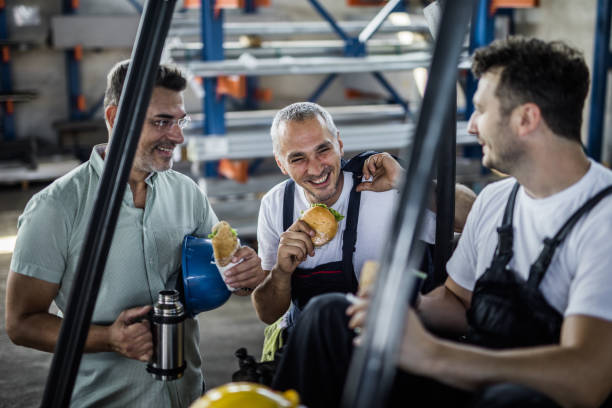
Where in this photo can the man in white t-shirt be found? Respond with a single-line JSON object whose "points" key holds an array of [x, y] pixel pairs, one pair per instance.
{"points": [[307, 147], [550, 312]]}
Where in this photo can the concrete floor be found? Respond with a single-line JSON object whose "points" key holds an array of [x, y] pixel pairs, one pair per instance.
{"points": [[23, 371]]}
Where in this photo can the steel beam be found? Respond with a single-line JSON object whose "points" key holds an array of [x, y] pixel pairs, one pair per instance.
{"points": [[306, 66], [191, 27], [256, 143], [375, 24], [322, 87], [374, 363], [330, 20], [276, 49], [394, 94], [445, 193]]}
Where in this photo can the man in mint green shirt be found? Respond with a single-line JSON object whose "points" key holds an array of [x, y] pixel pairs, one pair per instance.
{"points": [[160, 206]]}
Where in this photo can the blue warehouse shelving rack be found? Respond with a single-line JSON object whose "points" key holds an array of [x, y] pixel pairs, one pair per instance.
{"points": [[230, 135], [602, 62], [11, 147]]}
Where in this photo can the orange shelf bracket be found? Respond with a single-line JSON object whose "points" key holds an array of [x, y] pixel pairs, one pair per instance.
{"points": [[366, 3], [232, 85], [264, 94], [497, 4], [78, 52], [6, 54], [192, 4], [352, 93], [237, 170], [234, 4], [81, 103]]}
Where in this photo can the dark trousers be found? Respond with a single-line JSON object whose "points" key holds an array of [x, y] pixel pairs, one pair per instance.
{"points": [[316, 358]]}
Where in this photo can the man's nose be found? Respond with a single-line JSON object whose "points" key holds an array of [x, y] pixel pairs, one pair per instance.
{"points": [[176, 134], [471, 126], [315, 167]]}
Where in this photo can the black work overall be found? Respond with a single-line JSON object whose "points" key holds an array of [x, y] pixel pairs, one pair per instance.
{"points": [[338, 276], [507, 312]]}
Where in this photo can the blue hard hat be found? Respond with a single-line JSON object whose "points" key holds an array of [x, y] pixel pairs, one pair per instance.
{"points": [[204, 287]]}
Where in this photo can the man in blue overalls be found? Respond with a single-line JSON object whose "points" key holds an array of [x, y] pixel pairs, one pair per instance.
{"points": [[529, 292]]}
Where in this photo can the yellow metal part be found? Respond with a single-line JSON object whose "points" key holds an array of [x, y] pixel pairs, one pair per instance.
{"points": [[246, 394]]}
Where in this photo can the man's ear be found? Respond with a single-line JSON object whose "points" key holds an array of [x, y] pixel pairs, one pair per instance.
{"points": [[529, 118], [340, 144], [279, 163], [109, 115]]}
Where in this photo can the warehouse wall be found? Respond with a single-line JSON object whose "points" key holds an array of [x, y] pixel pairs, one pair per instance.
{"points": [[43, 68]]}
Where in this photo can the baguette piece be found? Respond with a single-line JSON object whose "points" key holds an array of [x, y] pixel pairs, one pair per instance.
{"points": [[367, 278]]}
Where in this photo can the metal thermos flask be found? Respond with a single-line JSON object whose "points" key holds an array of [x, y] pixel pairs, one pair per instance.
{"points": [[167, 326]]}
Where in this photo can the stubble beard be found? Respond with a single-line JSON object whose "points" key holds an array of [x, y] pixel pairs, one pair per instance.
{"points": [[147, 164], [322, 199], [508, 153]]}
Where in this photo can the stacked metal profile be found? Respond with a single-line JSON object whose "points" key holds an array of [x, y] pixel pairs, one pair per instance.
{"points": [[244, 134]]}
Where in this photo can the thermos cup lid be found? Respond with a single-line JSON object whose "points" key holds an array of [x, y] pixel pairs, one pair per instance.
{"points": [[204, 287]]}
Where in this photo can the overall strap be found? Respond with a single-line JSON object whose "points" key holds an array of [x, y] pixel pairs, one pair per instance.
{"points": [[503, 252], [539, 267], [349, 237], [288, 204]]}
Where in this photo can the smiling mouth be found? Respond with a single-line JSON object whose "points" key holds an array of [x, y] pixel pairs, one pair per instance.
{"points": [[166, 148], [321, 180]]}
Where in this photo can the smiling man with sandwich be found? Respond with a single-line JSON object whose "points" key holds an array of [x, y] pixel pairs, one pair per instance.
{"points": [[303, 259]]}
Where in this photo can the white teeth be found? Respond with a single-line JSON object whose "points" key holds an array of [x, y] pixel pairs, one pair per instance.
{"points": [[163, 149], [320, 180]]}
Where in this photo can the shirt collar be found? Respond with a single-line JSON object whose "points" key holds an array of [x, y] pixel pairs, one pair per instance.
{"points": [[96, 160]]}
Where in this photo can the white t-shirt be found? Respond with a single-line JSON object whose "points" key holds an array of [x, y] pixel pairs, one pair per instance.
{"points": [[376, 211], [579, 278]]}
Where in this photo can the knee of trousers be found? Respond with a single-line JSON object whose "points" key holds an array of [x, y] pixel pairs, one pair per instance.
{"points": [[328, 303], [329, 307]]}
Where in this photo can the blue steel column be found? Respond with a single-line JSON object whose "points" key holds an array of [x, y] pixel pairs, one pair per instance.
{"points": [[396, 97], [601, 64], [482, 33], [6, 82], [249, 6], [214, 105], [73, 73]]}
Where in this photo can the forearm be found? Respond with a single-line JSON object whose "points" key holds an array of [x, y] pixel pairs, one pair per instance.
{"points": [[41, 331], [562, 373], [272, 297], [442, 312]]}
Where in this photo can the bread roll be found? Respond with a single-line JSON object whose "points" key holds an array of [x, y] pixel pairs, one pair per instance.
{"points": [[321, 219]]}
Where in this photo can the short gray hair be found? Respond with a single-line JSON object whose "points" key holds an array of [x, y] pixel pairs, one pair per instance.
{"points": [[299, 112]]}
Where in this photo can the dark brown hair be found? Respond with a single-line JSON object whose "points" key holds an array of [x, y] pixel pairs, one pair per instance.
{"points": [[168, 76], [552, 75]]}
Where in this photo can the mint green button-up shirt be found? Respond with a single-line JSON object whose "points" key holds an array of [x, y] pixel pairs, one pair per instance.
{"points": [[144, 258]]}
